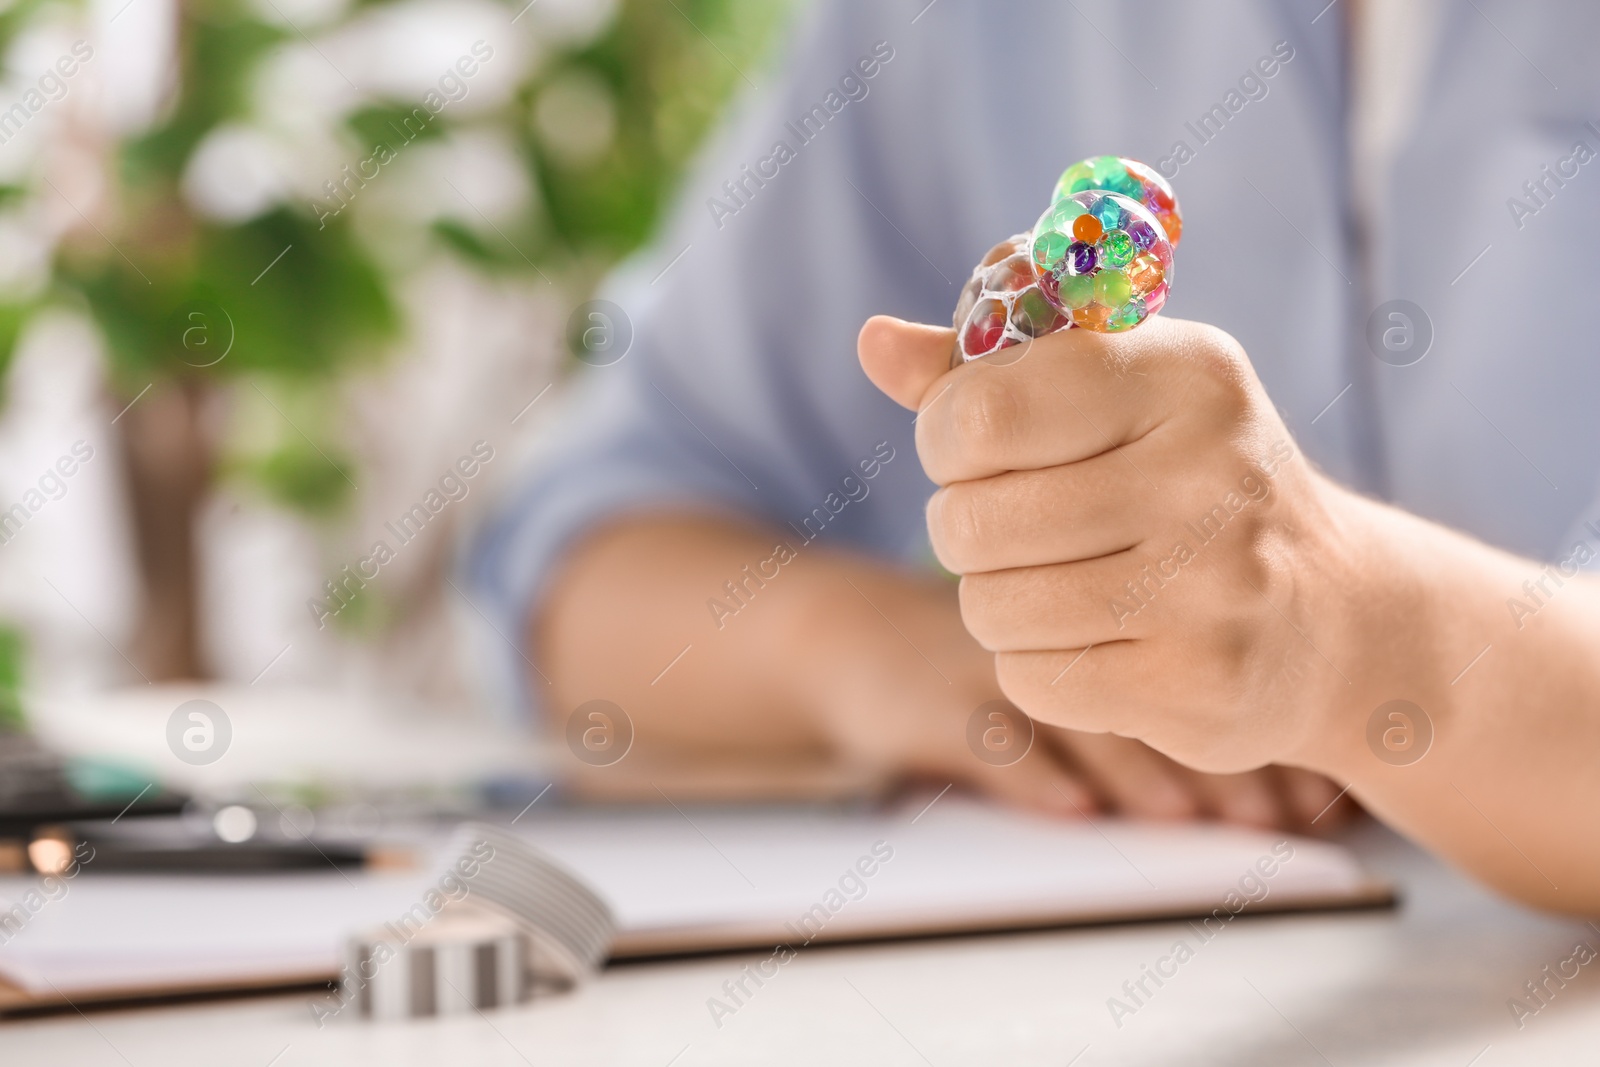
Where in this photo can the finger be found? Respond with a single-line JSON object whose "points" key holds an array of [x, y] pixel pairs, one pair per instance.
{"points": [[1318, 803], [1039, 782], [1077, 395], [1140, 688], [903, 359], [1249, 799], [1025, 518], [1066, 605], [1131, 778], [1068, 687]]}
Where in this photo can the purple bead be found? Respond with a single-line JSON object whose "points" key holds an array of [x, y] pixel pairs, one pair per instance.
{"points": [[1143, 234], [1081, 257]]}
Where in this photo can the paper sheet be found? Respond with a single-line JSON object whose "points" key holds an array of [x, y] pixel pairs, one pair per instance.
{"points": [[689, 880]]}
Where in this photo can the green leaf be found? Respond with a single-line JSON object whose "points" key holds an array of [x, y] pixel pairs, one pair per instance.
{"points": [[12, 318], [277, 294], [220, 46], [11, 655], [313, 480], [394, 126]]}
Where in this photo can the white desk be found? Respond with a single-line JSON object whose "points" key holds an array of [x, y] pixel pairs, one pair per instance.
{"points": [[1426, 985]]}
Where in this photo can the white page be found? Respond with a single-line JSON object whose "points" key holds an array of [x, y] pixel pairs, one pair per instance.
{"points": [[133, 931], [959, 865], [699, 878]]}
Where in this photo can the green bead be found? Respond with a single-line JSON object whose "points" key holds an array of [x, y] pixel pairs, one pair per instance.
{"points": [[1049, 247], [1129, 186], [1063, 212], [1109, 213], [1112, 288], [1032, 313], [1077, 290], [1117, 249], [1075, 179], [1107, 170], [1128, 315]]}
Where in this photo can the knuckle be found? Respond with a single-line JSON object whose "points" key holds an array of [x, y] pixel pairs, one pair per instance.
{"points": [[988, 413], [1253, 564], [1018, 676], [1024, 677], [981, 595], [1220, 368], [1216, 348], [958, 528], [1227, 665]]}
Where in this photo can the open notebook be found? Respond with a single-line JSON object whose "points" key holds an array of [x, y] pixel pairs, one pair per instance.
{"points": [[679, 881]]}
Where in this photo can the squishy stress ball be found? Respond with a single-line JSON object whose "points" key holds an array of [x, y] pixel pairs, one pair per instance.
{"points": [[1100, 258]]}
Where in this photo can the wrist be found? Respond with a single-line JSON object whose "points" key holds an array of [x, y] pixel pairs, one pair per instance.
{"points": [[818, 658], [1403, 614]]}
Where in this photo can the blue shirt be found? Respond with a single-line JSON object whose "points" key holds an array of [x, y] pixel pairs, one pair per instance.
{"points": [[911, 143]]}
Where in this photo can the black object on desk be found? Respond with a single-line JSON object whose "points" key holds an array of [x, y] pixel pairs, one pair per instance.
{"points": [[136, 829], [36, 791], [186, 845]]}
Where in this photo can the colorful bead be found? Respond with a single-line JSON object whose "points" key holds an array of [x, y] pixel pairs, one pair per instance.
{"points": [[1096, 317], [1129, 178], [1064, 212], [1145, 272], [1076, 179], [1087, 228], [1081, 258], [1155, 299], [1143, 234], [1050, 246], [1128, 315], [1010, 275], [1076, 291], [1110, 212], [1034, 315], [1112, 288], [986, 325], [1116, 249]]}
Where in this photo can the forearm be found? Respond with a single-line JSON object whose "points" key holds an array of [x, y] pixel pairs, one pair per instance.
{"points": [[631, 618], [1508, 788], [835, 672]]}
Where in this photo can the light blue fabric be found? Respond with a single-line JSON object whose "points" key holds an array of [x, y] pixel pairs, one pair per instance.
{"points": [[742, 391]]}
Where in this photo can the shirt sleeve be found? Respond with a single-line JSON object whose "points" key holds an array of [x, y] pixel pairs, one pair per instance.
{"points": [[741, 391]]}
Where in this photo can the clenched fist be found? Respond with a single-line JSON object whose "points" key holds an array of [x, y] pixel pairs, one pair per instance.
{"points": [[1147, 554], [1140, 543]]}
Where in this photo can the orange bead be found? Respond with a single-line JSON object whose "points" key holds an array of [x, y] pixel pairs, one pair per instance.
{"points": [[1087, 229], [1145, 272], [1096, 317], [1173, 224]]}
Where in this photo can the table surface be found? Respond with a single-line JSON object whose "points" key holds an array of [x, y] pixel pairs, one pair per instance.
{"points": [[1427, 984]]}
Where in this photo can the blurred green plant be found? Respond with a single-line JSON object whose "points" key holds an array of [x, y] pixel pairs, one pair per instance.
{"points": [[11, 649], [603, 125], [669, 68]]}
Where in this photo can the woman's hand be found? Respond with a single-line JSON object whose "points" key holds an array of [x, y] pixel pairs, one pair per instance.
{"points": [[1140, 542], [1147, 554], [899, 685]]}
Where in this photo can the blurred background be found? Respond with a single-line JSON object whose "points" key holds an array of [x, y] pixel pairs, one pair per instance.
{"points": [[271, 273]]}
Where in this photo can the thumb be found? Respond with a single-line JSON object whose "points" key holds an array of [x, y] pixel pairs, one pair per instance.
{"points": [[904, 358]]}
